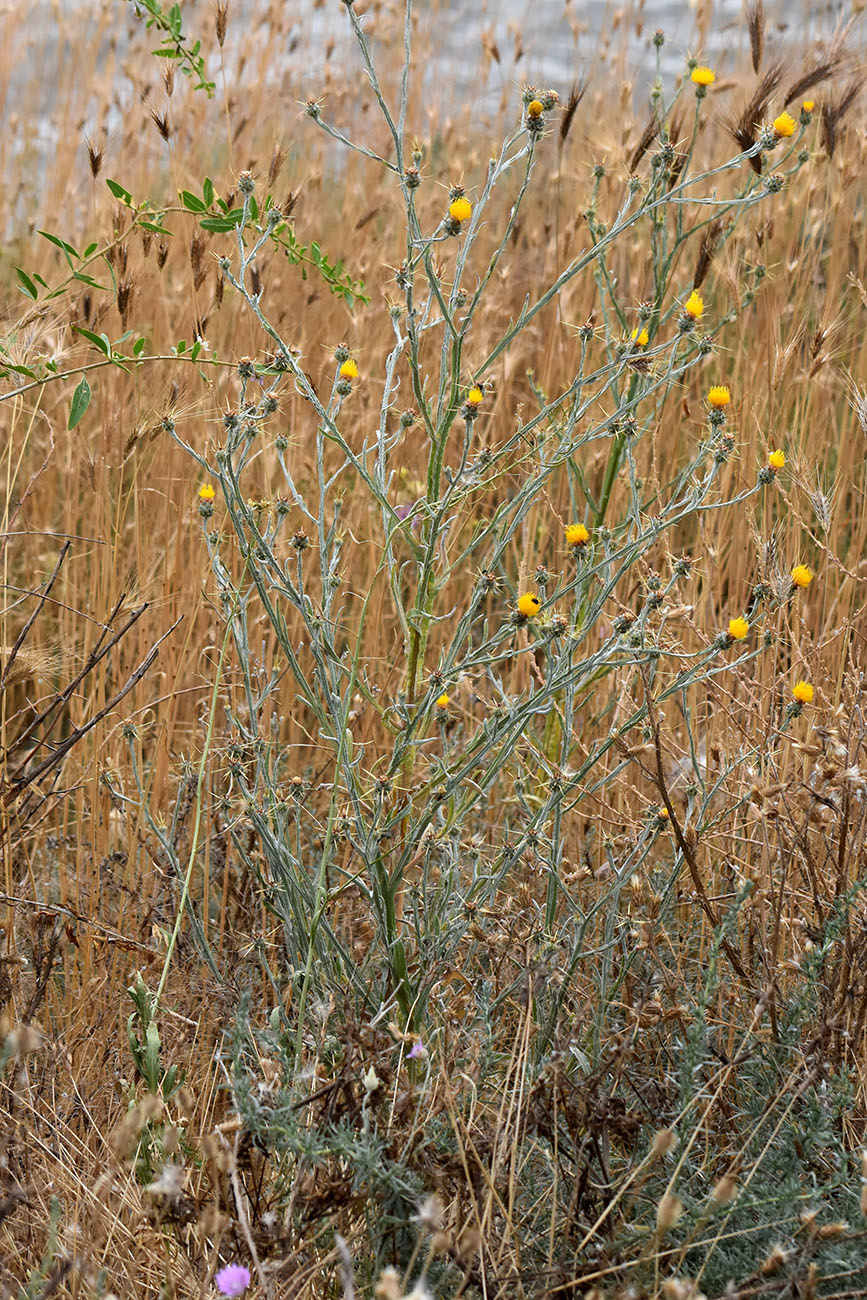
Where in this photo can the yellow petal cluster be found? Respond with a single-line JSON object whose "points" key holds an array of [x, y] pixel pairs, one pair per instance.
{"points": [[576, 535], [703, 76], [785, 125], [694, 305]]}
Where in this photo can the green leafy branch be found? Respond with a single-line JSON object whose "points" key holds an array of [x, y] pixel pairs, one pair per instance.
{"points": [[216, 215], [170, 23]]}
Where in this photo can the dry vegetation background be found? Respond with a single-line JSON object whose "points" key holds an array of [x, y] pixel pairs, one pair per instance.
{"points": [[88, 898]]}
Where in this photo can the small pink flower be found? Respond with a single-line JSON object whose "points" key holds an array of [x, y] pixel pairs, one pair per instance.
{"points": [[233, 1279]]}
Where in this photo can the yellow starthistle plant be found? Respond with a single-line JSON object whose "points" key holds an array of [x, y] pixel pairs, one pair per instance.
{"points": [[777, 459], [206, 492], [349, 370], [785, 125], [802, 575], [443, 701], [640, 337], [460, 209], [719, 396], [803, 692], [739, 629], [475, 396], [529, 604]]}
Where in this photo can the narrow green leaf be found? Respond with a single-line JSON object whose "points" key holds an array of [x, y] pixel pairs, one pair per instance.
{"points": [[87, 279], [27, 284], [60, 243], [218, 223], [80, 402], [192, 203], [98, 340], [119, 192]]}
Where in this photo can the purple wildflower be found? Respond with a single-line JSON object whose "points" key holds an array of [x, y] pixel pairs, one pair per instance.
{"points": [[233, 1279]]}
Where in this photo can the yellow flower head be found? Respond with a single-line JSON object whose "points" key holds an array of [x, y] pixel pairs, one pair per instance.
{"points": [[460, 209], [640, 337], [808, 105], [785, 125], [576, 535], [443, 701], [663, 813], [529, 604], [475, 396], [777, 459], [349, 370], [703, 76], [803, 692], [694, 305], [719, 396], [738, 628], [535, 108], [802, 575], [206, 492]]}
